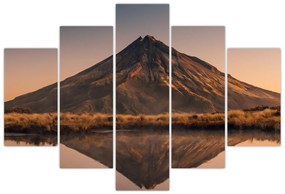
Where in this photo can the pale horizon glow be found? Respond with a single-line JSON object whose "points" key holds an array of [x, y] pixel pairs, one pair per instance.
{"points": [[204, 42], [260, 67], [82, 47], [27, 70]]}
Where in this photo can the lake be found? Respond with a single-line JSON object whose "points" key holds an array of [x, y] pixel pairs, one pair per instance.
{"points": [[91, 150], [142, 156], [142, 160], [198, 148], [253, 137], [22, 139], [123, 183]]}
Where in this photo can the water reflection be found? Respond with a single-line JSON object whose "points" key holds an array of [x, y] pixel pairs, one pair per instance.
{"points": [[253, 137], [198, 148], [92, 150], [143, 158], [19, 139]]}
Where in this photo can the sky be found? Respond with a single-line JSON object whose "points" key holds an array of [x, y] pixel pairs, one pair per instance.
{"points": [[204, 42], [135, 20], [27, 70], [82, 47], [260, 67]]}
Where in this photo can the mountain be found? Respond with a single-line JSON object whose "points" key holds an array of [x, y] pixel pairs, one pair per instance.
{"points": [[245, 96], [90, 90], [142, 77], [142, 85], [197, 86], [42, 100]]}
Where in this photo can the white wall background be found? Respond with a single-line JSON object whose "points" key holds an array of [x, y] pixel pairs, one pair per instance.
{"points": [[34, 23]]}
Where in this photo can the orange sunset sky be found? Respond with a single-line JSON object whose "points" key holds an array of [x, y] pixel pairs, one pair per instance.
{"points": [[257, 66], [135, 20], [204, 42], [27, 70], [82, 47]]}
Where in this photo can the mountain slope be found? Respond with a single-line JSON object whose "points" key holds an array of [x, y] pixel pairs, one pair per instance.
{"points": [[196, 85], [89, 90], [142, 70], [142, 77], [42, 100], [244, 96]]}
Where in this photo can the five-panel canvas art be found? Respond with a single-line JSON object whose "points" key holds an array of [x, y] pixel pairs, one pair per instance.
{"points": [[164, 86]]}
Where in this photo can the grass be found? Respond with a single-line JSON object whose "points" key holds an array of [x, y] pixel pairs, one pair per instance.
{"points": [[261, 118], [198, 121], [84, 122], [30, 123], [88, 121], [142, 121], [264, 119]]}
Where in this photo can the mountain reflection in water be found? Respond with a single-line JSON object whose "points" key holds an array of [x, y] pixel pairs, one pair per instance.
{"points": [[17, 139], [142, 156], [192, 148], [98, 146], [253, 137]]}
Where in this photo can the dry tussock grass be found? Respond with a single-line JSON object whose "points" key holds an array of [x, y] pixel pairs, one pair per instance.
{"points": [[206, 120], [268, 118], [71, 122], [142, 121], [84, 121], [34, 123]]}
